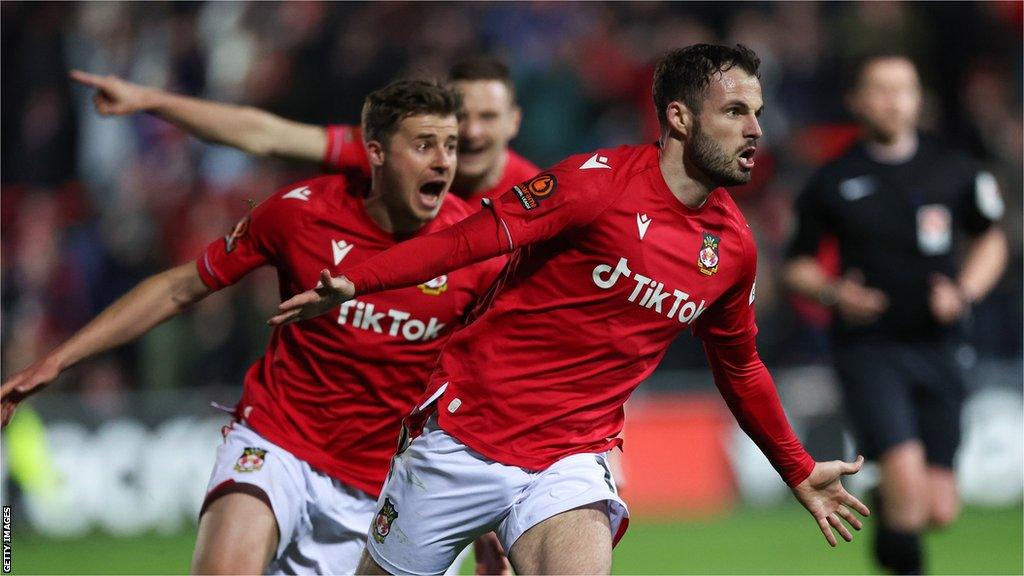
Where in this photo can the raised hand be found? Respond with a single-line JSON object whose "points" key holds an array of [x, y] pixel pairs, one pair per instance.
{"points": [[823, 495], [329, 293], [114, 96], [24, 384]]}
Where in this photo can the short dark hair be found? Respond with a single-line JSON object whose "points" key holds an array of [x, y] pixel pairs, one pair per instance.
{"points": [[482, 67], [383, 109], [854, 70], [685, 74]]}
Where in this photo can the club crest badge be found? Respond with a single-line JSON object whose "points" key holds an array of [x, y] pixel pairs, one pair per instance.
{"points": [[382, 523], [707, 258], [435, 287], [251, 460]]}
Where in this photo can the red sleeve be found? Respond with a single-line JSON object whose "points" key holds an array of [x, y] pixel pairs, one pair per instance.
{"points": [[750, 393], [345, 151], [731, 318], [252, 243], [562, 198], [415, 261]]}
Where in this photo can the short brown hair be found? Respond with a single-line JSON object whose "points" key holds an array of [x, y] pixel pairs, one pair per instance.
{"points": [[685, 74], [483, 67], [383, 109]]}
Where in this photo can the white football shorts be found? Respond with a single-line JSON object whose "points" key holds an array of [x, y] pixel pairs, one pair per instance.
{"points": [[322, 522], [441, 495]]}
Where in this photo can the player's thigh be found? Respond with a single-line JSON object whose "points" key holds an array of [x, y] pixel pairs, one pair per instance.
{"points": [[367, 565], [439, 496], [255, 476], [332, 535], [877, 396], [237, 535], [577, 541], [577, 494]]}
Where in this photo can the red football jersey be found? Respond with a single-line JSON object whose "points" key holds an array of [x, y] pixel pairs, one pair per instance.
{"points": [[612, 268], [333, 390], [346, 153]]}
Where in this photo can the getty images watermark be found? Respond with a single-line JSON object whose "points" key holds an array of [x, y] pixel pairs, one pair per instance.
{"points": [[7, 539]]}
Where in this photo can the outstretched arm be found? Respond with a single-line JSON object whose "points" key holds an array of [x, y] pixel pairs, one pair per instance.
{"points": [[408, 263], [750, 393], [249, 129], [151, 302]]}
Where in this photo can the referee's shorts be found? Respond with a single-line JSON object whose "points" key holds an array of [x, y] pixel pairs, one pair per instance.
{"points": [[898, 391]]}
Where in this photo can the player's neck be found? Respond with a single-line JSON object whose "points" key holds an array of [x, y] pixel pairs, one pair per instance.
{"points": [[895, 151], [684, 179], [391, 220], [476, 185]]}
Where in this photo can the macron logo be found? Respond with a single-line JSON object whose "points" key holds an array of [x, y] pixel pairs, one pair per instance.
{"points": [[299, 194], [642, 222], [595, 161], [341, 249]]}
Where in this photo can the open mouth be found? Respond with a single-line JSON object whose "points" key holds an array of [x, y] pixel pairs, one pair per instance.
{"points": [[430, 193], [746, 157]]}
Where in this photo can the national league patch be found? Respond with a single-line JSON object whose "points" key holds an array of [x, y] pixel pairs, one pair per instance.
{"points": [[531, 192]]}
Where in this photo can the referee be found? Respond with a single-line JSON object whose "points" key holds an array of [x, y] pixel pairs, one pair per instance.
{"points": [[914, 222]]}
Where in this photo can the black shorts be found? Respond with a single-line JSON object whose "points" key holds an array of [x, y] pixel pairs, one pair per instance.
{"points": [[896, 392]]}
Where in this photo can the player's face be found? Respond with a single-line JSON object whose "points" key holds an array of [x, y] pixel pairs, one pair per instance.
{"points": [[888, 98], [490, 120], [419, 164], [725, 133]]}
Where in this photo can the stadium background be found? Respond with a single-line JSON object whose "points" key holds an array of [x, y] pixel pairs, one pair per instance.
{"points": [[105, 475]]}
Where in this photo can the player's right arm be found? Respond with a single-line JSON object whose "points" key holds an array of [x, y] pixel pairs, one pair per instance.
{"points": [[249, 129], [153, 301]]}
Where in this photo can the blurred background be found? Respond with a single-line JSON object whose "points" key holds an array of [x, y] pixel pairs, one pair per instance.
{"points": [[117, 453]]}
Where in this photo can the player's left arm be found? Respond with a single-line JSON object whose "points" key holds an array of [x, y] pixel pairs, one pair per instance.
{"points": [[729, 334], [986, 256]]}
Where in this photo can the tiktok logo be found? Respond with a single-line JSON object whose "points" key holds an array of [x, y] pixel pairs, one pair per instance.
{"points": [[671, 304]]}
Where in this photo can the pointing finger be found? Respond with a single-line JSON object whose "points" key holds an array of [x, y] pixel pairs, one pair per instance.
{"points": [[86, 78]]}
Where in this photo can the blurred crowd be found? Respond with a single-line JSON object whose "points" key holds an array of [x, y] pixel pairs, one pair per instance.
{"points": [[92, 205]]}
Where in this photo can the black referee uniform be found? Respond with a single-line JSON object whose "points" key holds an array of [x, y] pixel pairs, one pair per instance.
{"points": [[899, 224]]}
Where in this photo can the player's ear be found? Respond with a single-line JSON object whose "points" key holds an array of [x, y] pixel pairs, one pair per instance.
{"points": [[516, 120], [680, 118], [375, 152]]}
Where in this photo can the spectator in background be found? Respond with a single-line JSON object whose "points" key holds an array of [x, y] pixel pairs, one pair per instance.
{"points": [[896, 204]]}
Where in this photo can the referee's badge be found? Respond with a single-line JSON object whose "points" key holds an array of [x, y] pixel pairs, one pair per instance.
{"points": [[934, 229], [707, 257], [382, 523]]}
